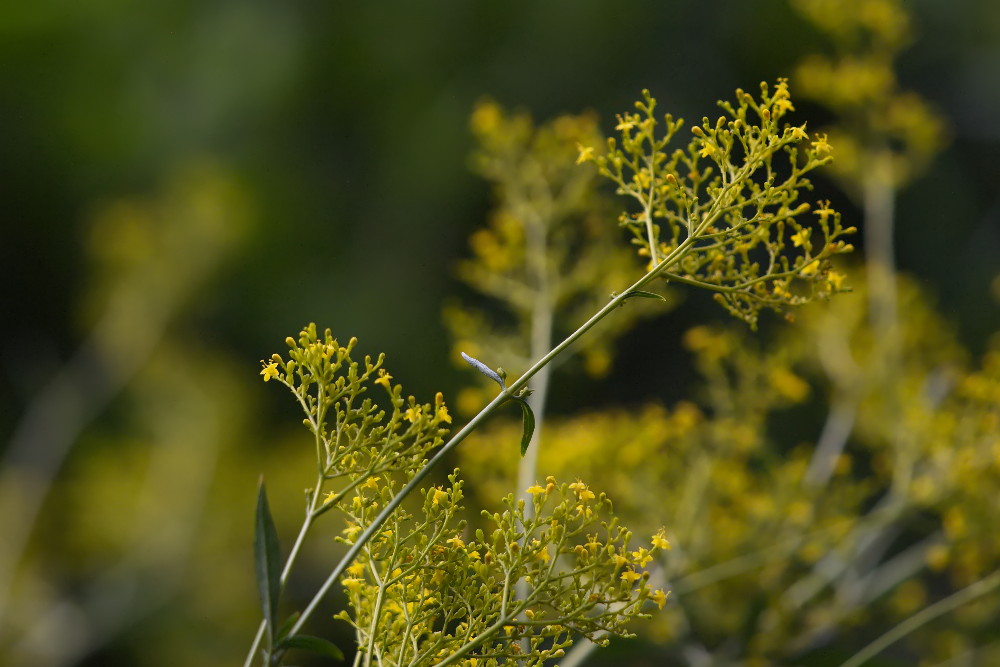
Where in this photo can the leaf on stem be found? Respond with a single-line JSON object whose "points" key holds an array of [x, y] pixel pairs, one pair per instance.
{"points": [[642, 294], [267, 554], [527, 423], [287, 625]]}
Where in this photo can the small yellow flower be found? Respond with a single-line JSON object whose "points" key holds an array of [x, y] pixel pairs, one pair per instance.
{"points": [[455, 542], [642, 557], [370, 483], [821, 146], [270, 371], [586, 153], [626, 123], [621, 560], [660, 541], [442, 414], [329, 497], [582, 492], [835, 279], [534, 490], [799, 239], [659, 597], [352, 584], [351, 531], [474, 555], [799, 133], [439, 496], [707, 149], [413, 414], [356, 569], [811, 268], [384, 379], [782, 105], [630, 576], [824, 212], [543, 555]]}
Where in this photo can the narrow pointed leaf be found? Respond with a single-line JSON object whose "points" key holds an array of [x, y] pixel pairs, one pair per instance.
{"points": [[643, 295], [315, 644], [267, 554], [527, 424]]}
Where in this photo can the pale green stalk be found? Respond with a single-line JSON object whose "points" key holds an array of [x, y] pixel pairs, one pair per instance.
{"points": [[925, 616], [542, 316], [541, 340]]}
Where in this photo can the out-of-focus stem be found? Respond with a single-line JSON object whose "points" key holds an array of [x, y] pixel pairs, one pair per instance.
{"points": [[924, 616]]}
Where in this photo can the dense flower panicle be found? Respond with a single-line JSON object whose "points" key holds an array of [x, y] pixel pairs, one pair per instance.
{"points": [[723, 213], [357, 439], [425, 590]]}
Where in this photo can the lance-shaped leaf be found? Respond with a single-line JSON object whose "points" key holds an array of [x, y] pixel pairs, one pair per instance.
{"points": [[267, 554], [644, 295], [527, 424]]}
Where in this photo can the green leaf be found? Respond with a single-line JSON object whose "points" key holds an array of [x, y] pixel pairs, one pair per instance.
{"points": [[287, 625], [267, 555], [309, 643], [643, 295], [527, 423]]}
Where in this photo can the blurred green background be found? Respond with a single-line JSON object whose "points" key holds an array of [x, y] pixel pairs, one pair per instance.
{"points": [[185, 184]]}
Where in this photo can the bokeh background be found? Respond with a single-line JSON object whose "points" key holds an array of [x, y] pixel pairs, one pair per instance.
{"points": [[184, 184]]}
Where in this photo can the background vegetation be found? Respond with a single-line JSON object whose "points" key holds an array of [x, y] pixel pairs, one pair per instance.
{"points": [[185, 184]]}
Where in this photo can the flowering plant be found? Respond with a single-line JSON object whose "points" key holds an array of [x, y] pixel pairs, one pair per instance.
{"points": [[424, 588]]}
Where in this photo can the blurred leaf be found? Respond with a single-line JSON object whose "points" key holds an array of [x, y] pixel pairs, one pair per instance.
{"points": [[644, 295], [287, 625], [267, 554]]}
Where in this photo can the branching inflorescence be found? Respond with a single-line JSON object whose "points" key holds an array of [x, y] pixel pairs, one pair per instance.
{"points": [[422, 592], [723, 213]]}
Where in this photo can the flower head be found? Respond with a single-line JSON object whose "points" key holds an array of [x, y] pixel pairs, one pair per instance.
{"points": [[270, 371], [659, 597], [660, 541], [384, 379]]}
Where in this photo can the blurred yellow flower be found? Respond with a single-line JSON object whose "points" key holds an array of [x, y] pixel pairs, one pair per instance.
{"points": [[659, 597], [660, 542]]}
